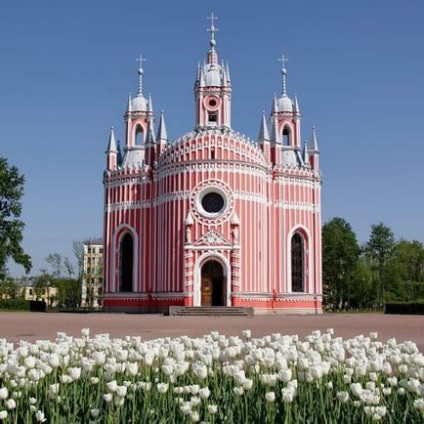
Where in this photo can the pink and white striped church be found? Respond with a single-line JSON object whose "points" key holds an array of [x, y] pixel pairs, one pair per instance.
{"points": [[213, 218]]}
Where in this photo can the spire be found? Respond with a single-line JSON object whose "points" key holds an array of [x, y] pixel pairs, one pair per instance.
{"points": [[263, 131], [313, 143], [274, 108], [129, 107], [111, 147], [212, 55], [227, 70], [296, 105], [151, 139], [283, 59], [162, 136], [150, 105], [140, 59]]}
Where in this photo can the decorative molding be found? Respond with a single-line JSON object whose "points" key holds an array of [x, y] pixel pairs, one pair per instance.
{"points": [[297, 206], [212, 238]]}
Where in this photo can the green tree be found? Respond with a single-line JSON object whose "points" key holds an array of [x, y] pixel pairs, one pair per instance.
{"points": [[11, 227], [78, 250], [381, 248], [410, 256], [41, 286], [68, 292], [9, 289], [340, 252]]}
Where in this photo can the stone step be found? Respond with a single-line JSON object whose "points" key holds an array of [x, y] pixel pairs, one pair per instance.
{"points": [[210, 311]]}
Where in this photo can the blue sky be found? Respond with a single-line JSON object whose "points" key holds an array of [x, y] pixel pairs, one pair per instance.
{"points": [[67, 67]]}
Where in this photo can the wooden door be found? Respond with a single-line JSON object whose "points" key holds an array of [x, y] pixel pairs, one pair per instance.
{"points": [[206, 291]]}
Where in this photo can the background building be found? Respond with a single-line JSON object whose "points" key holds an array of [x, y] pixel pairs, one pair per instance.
{"points": [[92, 277], [213, 218]]}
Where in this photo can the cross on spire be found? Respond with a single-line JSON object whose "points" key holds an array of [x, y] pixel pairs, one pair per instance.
{"points": [[283, 59], [141, 59], [212, 29]]}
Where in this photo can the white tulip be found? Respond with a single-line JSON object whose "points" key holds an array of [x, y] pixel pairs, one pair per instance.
{"points": [[212, 409], [238, 390], [10, 404], [39, 416], [4, 393], [162, 387], [3, 415], [270, 397], [107, 397], [343, 397], [112, 386]]}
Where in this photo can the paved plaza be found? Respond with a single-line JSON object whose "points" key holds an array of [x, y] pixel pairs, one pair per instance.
{"points": [[31, 326]]}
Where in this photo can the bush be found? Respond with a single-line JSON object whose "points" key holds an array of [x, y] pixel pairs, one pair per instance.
{"points": [[14, 304], [406, 308]]}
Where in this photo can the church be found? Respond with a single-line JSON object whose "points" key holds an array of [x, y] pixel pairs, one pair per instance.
{"points": [[213, 218]]}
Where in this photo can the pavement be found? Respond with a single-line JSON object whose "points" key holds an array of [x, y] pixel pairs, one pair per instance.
{"points": [[31, 326]]}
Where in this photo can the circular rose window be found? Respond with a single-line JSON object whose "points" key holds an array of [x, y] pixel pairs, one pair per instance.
{"points": [[213, 202]]}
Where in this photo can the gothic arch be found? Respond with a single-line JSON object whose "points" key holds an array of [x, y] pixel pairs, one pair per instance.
{"points": [[286, 135], [298, 264], [200, 262], [115, 268], [126, 263], [139, 135]]}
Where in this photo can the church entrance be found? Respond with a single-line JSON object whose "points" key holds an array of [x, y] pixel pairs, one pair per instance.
{"points": [[213, 288]]}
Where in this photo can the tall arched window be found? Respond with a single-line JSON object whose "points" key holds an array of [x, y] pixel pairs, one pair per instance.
{"points": [[139, 136], [297, 263], [126, 263], [286, 136]]}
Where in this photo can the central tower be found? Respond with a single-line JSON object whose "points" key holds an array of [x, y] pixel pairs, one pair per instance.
{"points": [[212, 89]]}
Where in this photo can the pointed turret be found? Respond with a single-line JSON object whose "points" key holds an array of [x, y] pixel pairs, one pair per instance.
{"points": [[129, 106], [263, 130], [162, 135], [111, 147], [313, 142], [151, 139], [296, 105], [111, 152], [313, 150]]}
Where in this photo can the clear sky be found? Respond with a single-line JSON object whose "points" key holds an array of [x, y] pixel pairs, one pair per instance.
{"points": [[356, 66]]}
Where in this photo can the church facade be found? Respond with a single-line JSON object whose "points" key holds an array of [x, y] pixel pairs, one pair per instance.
{"points": [[213, 218]]}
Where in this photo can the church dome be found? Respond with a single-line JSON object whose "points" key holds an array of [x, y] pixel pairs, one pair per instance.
{"points": [[284, 104], [213, 76], [139, 104]]}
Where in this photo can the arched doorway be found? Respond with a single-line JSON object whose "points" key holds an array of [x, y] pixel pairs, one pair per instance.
{"points": [[126, 263], [213, 287], [297, 263]]}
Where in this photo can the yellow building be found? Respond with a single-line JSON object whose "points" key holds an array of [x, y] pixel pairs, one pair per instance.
{"points": [[92, 277]]}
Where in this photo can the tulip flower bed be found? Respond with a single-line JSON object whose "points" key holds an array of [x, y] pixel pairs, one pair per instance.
{"points": [[213, 379]]}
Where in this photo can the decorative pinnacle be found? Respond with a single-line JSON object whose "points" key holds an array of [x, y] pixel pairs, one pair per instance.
{"points": [[212, 30], [283, 59], [140, 71]]}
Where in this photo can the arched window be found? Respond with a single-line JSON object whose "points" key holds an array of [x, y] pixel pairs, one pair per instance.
{"points": [[286, 136], [126, 263], [139, 136], [297, 263]]}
